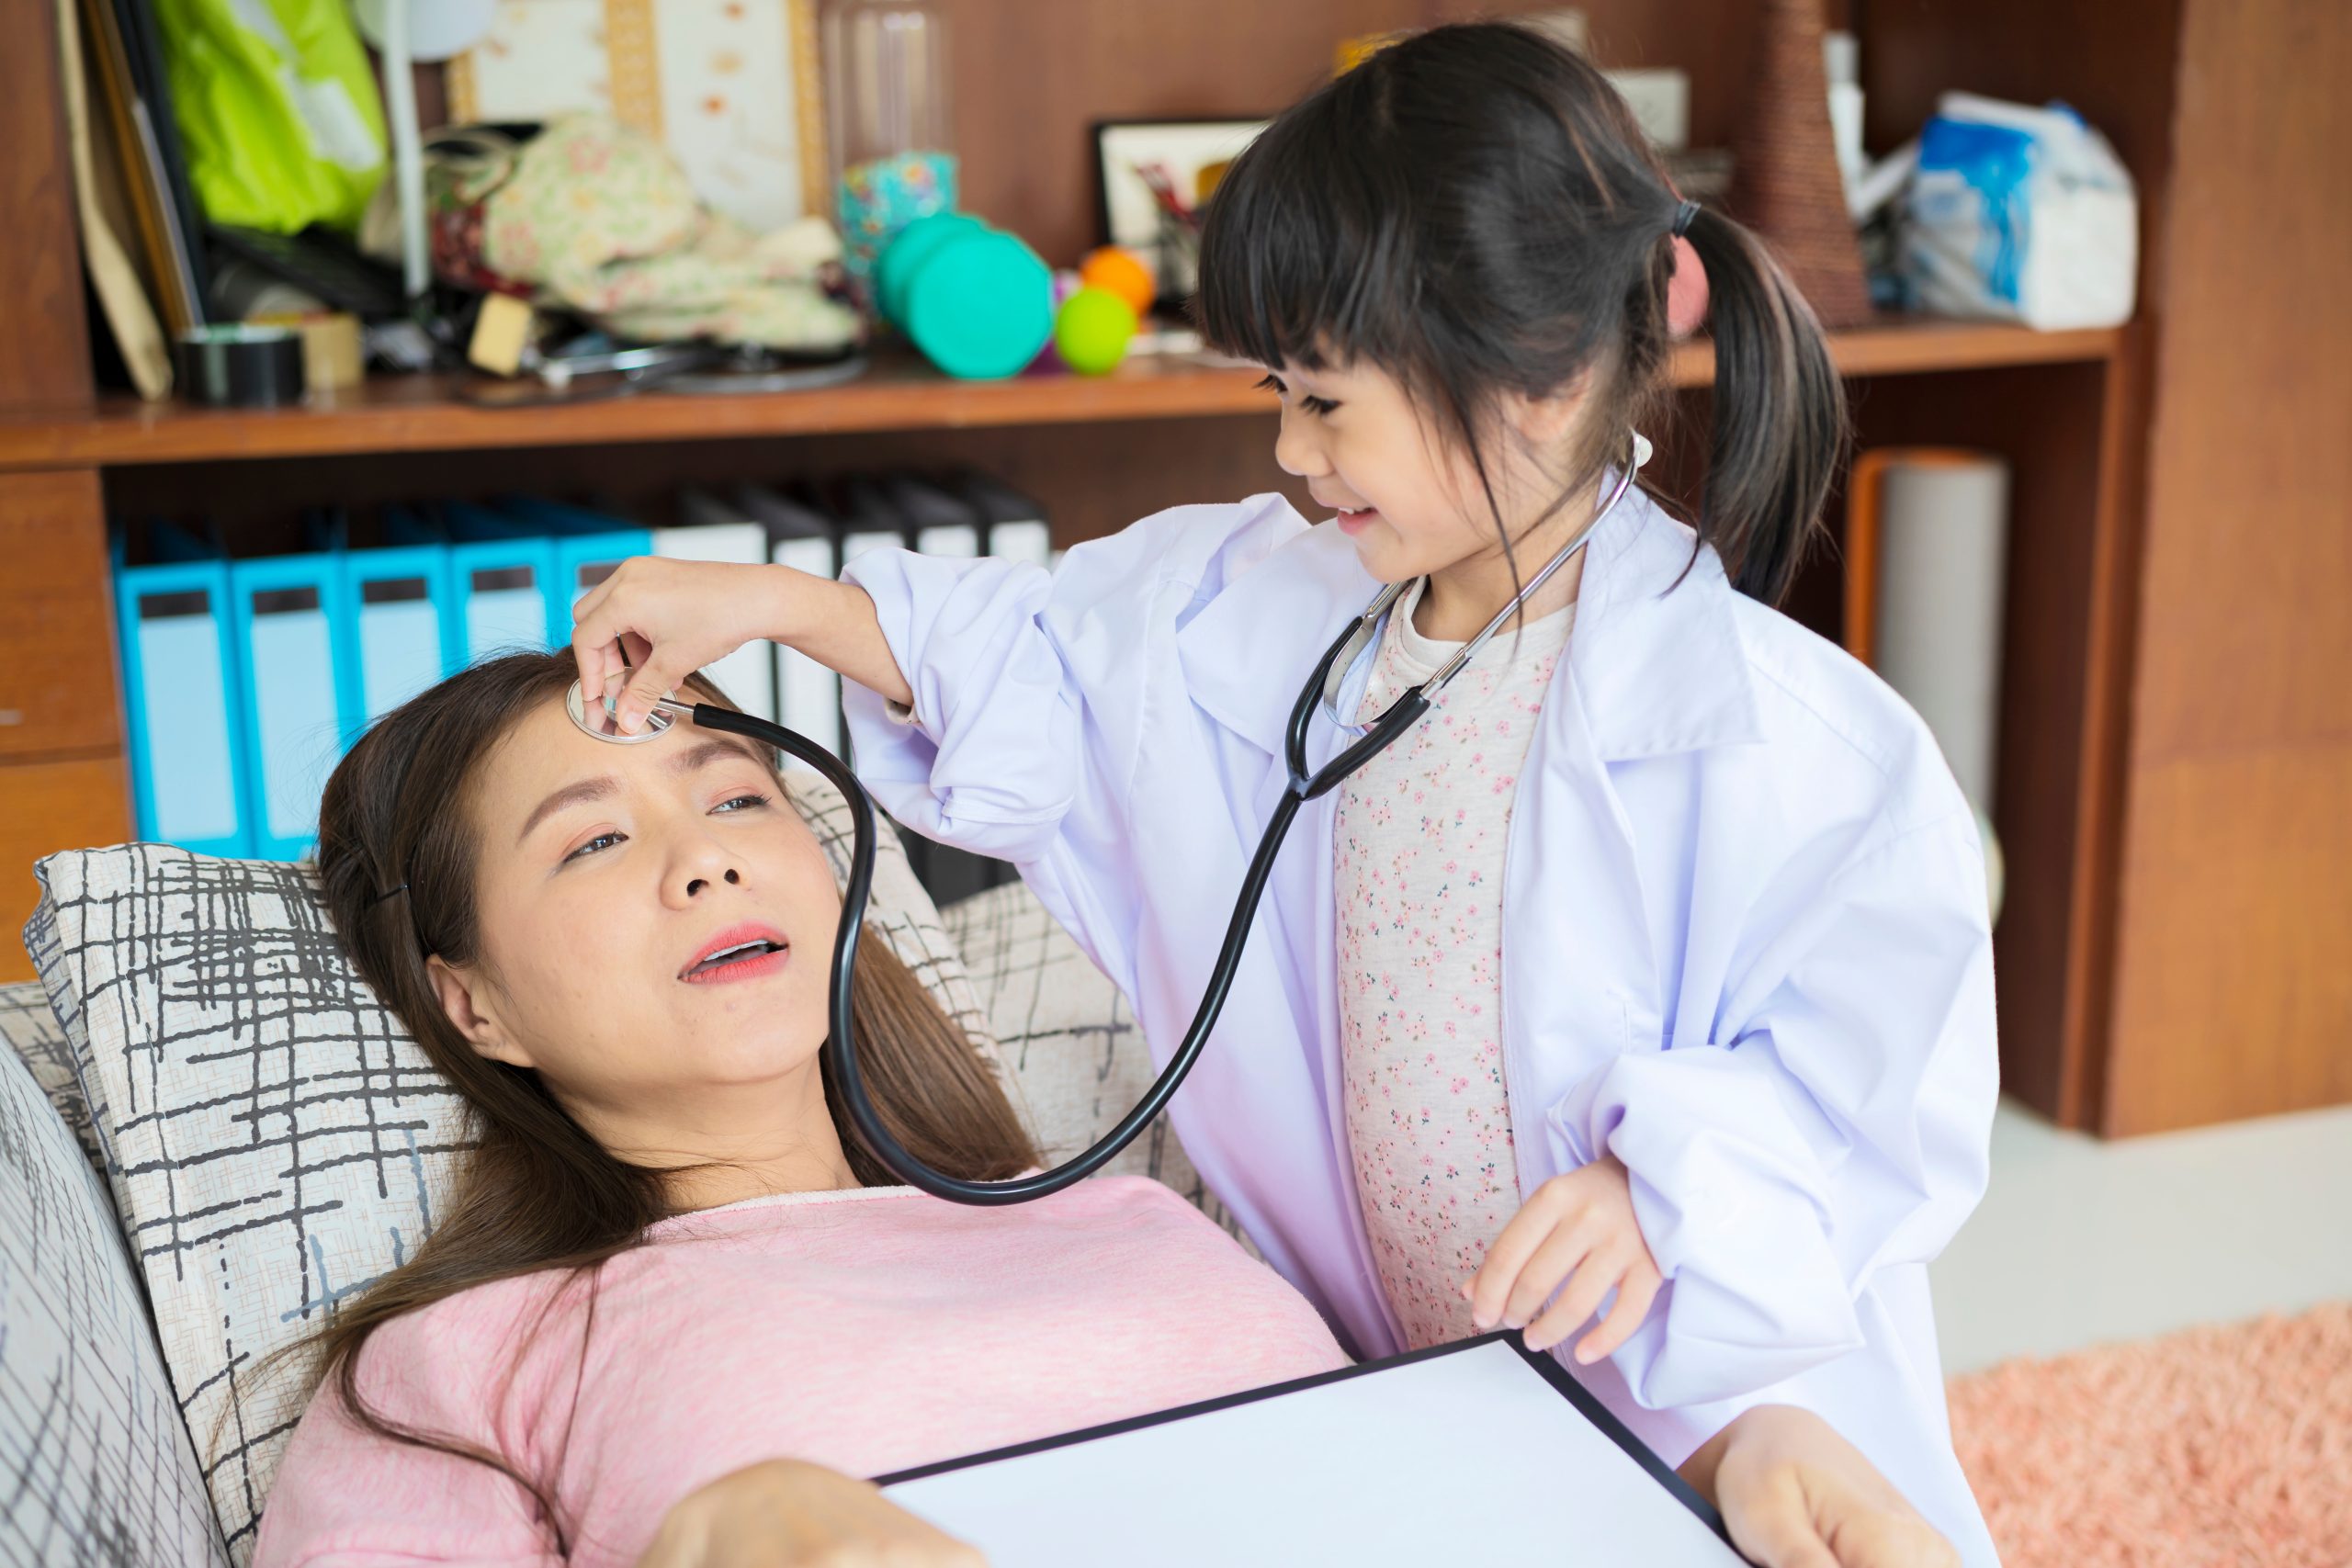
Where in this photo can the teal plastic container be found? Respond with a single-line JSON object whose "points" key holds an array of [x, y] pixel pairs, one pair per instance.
{"points": [[915, 245], [976, 301]]}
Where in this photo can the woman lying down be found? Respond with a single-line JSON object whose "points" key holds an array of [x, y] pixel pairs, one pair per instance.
{"points": [[673, 1311]]}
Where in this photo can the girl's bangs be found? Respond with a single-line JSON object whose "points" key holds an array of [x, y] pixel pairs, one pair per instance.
{"points": [[1302, 254]]}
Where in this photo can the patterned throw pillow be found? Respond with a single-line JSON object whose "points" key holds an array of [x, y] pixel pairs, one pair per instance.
{"points": [[1073, 1060], [274, 1138], [93, 1455], [41, 1042]]}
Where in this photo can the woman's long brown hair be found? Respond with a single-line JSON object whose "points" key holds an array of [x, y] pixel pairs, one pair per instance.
{"points": [[536, 1193]]}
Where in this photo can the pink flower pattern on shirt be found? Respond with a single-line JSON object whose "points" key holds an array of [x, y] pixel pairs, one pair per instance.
{"points": [[1418, 850]]}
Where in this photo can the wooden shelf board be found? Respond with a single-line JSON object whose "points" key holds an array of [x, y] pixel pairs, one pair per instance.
{"points": [[420, 413], [1898, 345]]}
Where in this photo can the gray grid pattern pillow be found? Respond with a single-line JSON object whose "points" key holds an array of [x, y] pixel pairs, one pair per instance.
{"points": [[94, 1461], [1072, 1059], [33, 1034], [273, 1137]]}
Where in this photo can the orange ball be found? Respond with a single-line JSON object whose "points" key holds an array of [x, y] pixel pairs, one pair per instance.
{"points": [[1120, 271]]}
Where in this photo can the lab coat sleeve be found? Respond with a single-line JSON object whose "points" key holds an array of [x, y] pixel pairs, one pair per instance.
{"points": [[1841, 1128], [1033, 693], [990, 762]]}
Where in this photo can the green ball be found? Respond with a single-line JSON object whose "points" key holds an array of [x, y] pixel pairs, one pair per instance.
{"points": [[1094, 330]]}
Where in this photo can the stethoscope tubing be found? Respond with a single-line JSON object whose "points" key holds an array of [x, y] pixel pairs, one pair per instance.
{"points": [[840, 1049], [1303, 785]]}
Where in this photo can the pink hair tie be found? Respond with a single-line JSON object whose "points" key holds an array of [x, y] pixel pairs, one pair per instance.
{"points": [[1686, 293]]}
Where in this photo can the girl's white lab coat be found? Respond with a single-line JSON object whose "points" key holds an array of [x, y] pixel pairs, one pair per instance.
{"points": [[1745, 945]]}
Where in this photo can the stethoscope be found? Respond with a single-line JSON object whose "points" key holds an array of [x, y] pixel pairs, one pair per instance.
{"points": [[1322, 690]]}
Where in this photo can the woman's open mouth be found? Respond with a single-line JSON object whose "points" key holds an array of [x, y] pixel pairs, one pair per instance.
{"points": [[741, 953], [1354, 523]]}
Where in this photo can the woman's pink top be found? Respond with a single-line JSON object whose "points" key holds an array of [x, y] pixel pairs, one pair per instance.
{"points": [[871, 1331]]}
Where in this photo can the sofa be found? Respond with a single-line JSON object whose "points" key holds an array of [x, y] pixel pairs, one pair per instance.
{"points": [[210, 1132]]}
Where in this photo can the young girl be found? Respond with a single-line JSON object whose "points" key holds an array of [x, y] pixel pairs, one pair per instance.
{"points": [[1650, 976]]}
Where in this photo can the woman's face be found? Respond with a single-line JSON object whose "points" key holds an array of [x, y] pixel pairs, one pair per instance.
{"points": [[656, 920]]}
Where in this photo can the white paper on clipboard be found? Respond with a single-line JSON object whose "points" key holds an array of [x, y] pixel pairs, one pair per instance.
{"points": [[1429, 1459]]}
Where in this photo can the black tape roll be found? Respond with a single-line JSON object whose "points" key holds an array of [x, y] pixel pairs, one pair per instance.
{"points": [[241, 366]]}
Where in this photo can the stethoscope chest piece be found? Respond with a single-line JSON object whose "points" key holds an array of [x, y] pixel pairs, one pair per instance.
{"points": [[599, 721]]}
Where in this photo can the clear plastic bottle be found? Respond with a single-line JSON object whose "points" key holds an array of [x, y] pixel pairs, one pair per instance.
{"points": [[886, 104]]}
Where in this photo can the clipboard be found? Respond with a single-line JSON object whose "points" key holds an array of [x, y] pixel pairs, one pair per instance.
{"points": [[1476, 1448]]}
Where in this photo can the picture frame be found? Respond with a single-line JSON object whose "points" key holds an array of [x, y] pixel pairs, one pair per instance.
{"points": [[733, 87], [1129, 214]]}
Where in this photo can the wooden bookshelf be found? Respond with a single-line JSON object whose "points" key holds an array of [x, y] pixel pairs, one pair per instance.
{"points": [[409, 413], [2173, 739]]}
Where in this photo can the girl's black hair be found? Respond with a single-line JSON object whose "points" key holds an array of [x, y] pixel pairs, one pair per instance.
{"points": [[1474, 211]]}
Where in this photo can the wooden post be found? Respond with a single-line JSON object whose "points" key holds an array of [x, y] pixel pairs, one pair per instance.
{"points": [[61, 777]]}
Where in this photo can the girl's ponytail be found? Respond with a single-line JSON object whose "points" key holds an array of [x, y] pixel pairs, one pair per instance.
{"points": [[1477, 212], [1780, 412]]}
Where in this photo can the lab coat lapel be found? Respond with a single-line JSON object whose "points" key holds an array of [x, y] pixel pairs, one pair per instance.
{"points": [[1245, 656], [1578, 955], [1318, 920], [1304, 919], [1302, 888], [1657, 650], [1249, 648], [1654, 668]]}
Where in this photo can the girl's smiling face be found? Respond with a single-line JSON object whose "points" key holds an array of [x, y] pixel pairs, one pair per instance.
{"points": [[1411, 498]]}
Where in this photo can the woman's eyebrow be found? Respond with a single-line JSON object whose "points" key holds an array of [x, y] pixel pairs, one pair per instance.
{"points": [[695, 758], [574, 793], [702, 753]]}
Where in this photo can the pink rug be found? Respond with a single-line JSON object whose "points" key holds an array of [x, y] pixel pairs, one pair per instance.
{"points": [[2216, 1447]]}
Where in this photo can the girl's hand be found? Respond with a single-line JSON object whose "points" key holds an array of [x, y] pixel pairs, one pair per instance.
{"points": [[785, 1514], [1795, 1494], [1578, 1225], [665, 619]]}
